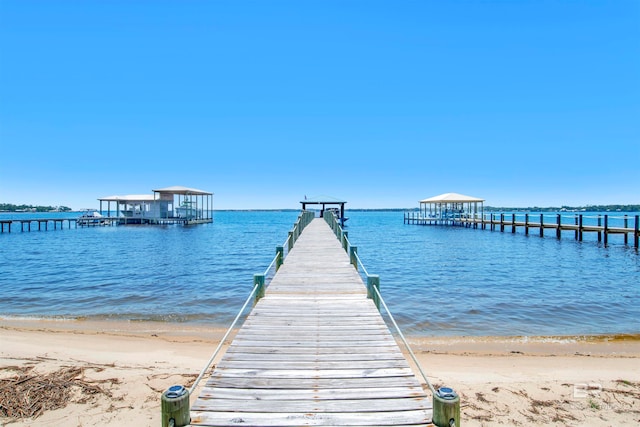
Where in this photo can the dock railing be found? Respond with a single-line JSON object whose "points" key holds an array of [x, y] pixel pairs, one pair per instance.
{"points": [[373, 287], [260, 283]]}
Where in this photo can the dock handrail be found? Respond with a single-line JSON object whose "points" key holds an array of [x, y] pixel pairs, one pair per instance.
{"points": [[303, 220], [221, 343], [373, 288]]}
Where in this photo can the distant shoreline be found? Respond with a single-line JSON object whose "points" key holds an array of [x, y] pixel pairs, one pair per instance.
{"points": [[569, 209]]}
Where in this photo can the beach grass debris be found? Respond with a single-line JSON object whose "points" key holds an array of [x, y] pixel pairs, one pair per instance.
{"points": [[29, 394]]}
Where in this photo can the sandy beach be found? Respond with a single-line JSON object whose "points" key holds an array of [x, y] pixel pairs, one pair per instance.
{"points": [[118, 371]]}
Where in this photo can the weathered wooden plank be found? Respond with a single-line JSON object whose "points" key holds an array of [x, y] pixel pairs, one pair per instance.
{"points": [[307, 394], [310, 383], [314, 373], [380, 419], [228, 363], [318, 350], [311, 405]]}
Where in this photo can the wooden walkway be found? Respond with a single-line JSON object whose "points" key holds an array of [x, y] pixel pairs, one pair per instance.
{"points": [[313, 351]]}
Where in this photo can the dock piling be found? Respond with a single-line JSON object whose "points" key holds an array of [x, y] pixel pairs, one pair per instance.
{"points": [[175, 407]]}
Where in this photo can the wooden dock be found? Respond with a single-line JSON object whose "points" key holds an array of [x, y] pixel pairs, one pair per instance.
{"points": [[313, 351], [43, 223], [602, 224]]}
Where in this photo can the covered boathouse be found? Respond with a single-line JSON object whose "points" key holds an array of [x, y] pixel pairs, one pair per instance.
{"points": [[447, 208], [171, 205]]}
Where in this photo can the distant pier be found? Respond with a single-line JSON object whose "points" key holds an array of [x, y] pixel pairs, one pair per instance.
{"points": [[43, 223], [604, 225]]}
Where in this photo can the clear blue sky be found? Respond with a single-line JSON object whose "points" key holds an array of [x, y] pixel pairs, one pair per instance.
{"points": [[380, 103]]}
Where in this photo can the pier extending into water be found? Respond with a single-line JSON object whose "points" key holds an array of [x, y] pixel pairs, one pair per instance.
{"points": [[314, 350], [43, 223], [604, 225]]}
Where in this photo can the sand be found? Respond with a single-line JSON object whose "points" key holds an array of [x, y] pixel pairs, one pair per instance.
{"points": [[563, 381]]}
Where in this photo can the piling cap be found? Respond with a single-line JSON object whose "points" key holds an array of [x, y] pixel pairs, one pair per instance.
{"points": [[447, 393], [175, 391]]}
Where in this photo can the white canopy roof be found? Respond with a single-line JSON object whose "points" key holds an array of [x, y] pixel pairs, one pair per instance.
{"points": [[451, 198], [129, 198], [177, 189]]}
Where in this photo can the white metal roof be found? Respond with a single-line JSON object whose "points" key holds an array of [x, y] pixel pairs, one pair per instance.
{"points": [[451, 198], [177, 189], [129, 198]]}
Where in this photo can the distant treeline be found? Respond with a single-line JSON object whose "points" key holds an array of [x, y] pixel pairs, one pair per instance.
{"points": [[9, 207]]}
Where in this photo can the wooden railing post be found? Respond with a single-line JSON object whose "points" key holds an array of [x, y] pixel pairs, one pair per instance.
{"points": [[559, 225], [526, 224], [606, 230], [279, 257], [353, 251], [373, 284], [541, 225], [345, 240], [258, 279], [501, 222], [636, 233], [290, 240]]}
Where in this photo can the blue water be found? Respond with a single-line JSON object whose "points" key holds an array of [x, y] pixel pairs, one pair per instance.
{"points": [[436, 280]]}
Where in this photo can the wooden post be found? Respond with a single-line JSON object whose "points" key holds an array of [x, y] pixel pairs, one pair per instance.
{"points": [[353, 250], [559, 225], [606, 230], [513, 223], [575, 217], [373, 284], [279, 257], [526, 224], [175, 407], [580, 228], [446, 408], [345, 240], [501, 222], [599, 232], [290, 240], [541, 225], [636, 234], [258, 279], [626, 225]]}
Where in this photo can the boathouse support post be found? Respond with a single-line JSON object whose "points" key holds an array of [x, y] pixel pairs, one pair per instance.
{"points": [[541, 225], [606, 230], [279, 257], [373, 284], [636, 233], [353, 251], [258, 279], [559, 226], [580, 228], [599, 232], [626, 225]]}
